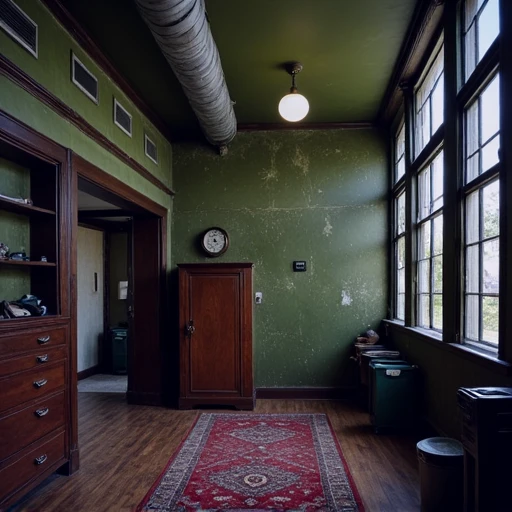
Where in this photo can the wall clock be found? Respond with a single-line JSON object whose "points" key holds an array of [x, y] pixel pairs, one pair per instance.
{"points": [[215, 241]]}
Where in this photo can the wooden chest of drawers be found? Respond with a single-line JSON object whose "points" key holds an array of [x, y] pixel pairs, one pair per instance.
{"points": [[34, 407]]}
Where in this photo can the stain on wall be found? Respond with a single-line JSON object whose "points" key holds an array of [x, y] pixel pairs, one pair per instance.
{"points": [[318, 196]]}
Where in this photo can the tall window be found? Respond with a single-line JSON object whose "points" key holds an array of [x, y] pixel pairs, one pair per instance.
{"points": [[481, 190], [400, 154], [399, 252], [482, 217], [481, 27], [429, 116], [454, 183], [429, 103], [398, 242], [430, 245]]}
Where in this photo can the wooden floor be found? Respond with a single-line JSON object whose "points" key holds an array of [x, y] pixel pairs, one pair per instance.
{"points": [[124, 448]]}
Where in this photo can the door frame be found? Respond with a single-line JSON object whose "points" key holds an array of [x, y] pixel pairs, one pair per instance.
{"points": [[88, 173]]}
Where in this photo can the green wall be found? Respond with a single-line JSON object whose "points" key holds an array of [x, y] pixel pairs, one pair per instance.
{"points": [[52, 69], [318, 196], [443, 373], [14, 230]]}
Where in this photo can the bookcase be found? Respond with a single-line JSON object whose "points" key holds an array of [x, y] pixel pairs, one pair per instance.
{"points": [[37, 412], [32, 228]]}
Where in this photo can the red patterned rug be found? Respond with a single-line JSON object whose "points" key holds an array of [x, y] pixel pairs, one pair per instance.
{"points": [[256, 462]]}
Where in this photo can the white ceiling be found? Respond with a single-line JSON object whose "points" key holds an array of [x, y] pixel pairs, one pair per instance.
{"points": [[88, 202]]}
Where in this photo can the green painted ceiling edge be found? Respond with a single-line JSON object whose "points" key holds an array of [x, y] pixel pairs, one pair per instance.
{"points": [[348, 49]]}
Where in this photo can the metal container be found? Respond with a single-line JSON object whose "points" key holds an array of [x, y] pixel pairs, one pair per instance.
{"points": [[393, 395], [441, 462]]}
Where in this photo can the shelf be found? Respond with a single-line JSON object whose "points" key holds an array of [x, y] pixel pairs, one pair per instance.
{"points": [[25, 209], [28, 263]]}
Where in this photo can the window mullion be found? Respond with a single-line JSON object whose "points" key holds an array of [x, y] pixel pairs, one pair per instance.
{"points": [[410, 208], [505, 326], [452, 224]]}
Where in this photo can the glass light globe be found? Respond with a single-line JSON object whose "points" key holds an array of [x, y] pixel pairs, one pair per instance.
{"points": [[293, 107]]}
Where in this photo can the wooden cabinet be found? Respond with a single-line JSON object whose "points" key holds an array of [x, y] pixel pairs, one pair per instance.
{"points": [[37, 412], [216, 335]]}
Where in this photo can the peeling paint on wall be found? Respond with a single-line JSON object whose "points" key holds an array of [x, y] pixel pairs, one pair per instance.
{"points": [[334, 216], [328, 227], [301, 160], [346, 299]]}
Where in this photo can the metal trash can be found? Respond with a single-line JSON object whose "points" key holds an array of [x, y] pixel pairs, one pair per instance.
{"points": [[118, 337], [393, 395], [368, 356], [441, 461]]}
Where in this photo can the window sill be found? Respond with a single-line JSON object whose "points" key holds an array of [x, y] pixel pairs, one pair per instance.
{"points": [[435, 339]]}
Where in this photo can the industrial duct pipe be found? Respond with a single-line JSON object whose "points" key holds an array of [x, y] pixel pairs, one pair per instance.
{"points": [[181, 29]]}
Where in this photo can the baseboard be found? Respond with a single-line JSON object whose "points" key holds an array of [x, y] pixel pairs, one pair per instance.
{"points": [[93, 370], [241, 403], [300, 393], [141, 398]]}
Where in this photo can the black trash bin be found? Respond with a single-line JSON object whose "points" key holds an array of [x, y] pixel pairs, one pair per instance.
{"points": [[118, 338], [441, 461]]}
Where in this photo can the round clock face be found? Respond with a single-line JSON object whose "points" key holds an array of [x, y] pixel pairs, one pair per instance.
{"points": [[215, 241]]}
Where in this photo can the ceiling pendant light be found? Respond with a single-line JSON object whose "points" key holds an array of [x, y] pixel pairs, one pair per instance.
{"points": [[293, 107]]}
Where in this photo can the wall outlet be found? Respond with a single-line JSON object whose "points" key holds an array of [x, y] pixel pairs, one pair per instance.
{"points": [[258, 297]]}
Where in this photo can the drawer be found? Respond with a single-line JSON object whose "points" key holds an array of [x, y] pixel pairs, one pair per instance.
{"points": [[31, 384], [32, 340], [23, 427], [40, 358], [33, 464]]}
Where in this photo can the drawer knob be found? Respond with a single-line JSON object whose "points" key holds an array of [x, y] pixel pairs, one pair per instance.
{"points": [[40, 460], [43, 340], [42, 359], [40, 383], [42, 412]]}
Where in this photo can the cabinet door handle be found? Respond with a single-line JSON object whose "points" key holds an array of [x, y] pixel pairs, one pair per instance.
{"points": [[42, 412], [190, 329], [40, 460], [42, 359], [43, 340], [40, 383]]}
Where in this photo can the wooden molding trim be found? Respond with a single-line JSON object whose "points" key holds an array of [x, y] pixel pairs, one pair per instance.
{"points": [[248, 127], [427, 17], [100, 178], [305, 393], [93, 370], [27, 83], [77, 32], [23, 136]]}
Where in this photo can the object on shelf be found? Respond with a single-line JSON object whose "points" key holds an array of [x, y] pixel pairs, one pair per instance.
{"points": [[44, 258], [33, 304], [17, 199], [28, 305], [19, 256], [12, 310], [4, 251], [370, 337]]}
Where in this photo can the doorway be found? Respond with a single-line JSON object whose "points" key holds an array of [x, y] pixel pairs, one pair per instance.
{"points": [[102, 302], [146, 303]]}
